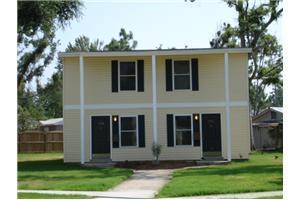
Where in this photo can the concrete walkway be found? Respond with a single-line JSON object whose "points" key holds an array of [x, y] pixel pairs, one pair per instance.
{"points": [[142, 184], [140, 195]]}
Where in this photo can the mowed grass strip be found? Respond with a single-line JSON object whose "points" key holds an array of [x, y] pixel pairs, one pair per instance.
{"points": [[262, 172], [40, 173], [50, 196]]}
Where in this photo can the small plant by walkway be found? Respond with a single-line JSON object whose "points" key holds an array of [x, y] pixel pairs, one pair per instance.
{"points": [[262, 172], [50, 196], [46, 171]]}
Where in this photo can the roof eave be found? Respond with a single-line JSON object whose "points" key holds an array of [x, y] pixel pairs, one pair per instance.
{"points": [[155, 52]]}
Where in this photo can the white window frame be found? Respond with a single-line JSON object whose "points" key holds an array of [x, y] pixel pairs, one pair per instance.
{"points": [[137, 131], [174, 130], [173, 74], [119, 75]]}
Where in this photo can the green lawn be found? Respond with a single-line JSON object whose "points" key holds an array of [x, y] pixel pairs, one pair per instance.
{"points": [[262, 172], [46, 171], [50, 196]]}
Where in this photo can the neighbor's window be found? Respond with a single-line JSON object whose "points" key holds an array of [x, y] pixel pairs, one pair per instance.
{"points": [[128, 131], [183, 129], [127, 76], [182, 75]]}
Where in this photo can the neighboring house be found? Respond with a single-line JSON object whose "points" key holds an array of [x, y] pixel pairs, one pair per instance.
{"points": [[194, 102], [55, 124], [267, 129]]}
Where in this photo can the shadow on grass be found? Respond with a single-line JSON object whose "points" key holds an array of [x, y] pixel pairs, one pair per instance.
{"points": [[260, 169], [58, 165]]}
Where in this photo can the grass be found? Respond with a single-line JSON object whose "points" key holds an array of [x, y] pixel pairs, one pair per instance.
{"points": [[50, 196], [262, 172], [46, 171]]}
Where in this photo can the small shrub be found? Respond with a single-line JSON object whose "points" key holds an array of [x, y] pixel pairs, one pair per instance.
{"points": [[156, 150]]}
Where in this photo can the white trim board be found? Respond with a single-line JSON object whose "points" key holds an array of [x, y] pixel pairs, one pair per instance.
{"points": [[228, 105], [82, 135], [166, 52], [154, 99], [158, 105]]}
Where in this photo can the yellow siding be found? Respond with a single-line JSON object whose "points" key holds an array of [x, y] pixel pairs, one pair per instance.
{"points": [[211, 80], [71, 136], [240, 132], [123, 153], [238, 77], [97, 75], [71, 93], [191, 152], [98, 82]]}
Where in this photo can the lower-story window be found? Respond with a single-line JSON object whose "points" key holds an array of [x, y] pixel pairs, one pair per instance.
{"points": [[128, 131], [183, 129]]}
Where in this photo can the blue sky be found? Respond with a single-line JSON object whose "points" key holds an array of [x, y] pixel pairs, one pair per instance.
{"points": [[172, 23]]}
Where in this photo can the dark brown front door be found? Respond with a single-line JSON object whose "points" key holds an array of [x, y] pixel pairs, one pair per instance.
{"points": [[211, 134], [100, 134]]}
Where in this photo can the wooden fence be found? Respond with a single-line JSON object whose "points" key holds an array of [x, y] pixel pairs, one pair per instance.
{"points": [[40, 141]]}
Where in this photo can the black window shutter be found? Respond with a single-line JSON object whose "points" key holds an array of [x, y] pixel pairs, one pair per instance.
{"points": [[115, 131], [195, 84], [169, 81], [141, 121], [196, 127], [170, 130], [114, 75], [140, 75]]}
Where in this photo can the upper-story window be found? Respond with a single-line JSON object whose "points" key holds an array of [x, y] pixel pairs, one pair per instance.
{"points": [[127, 76], [182, 75]]}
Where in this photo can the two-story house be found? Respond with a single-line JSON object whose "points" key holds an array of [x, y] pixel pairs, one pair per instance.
{"points": [[194, 102]]}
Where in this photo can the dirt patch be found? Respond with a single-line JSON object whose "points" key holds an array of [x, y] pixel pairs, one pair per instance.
{"points": [[148, 165]]}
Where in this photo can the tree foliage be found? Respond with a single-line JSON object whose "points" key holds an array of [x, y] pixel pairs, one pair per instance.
{"points": [[265, 61], [29, 109], [125, 42], [83, 44], [276, 96], [37, 23]]}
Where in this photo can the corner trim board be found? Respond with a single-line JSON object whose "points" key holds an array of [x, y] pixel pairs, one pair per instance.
{"points": [[228, 104], [82, 139]]}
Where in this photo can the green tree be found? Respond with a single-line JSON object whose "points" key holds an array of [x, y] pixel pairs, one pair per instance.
{"points": [[29, 109], [37, 23], [276, 96], [83, 44], [50, 96], [125, 42], [265, 61]]}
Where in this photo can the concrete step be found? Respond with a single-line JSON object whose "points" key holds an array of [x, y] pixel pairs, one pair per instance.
{"points": [[213, 158], [100, 160], [212, 162], [99, 165], [96, 156]]}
